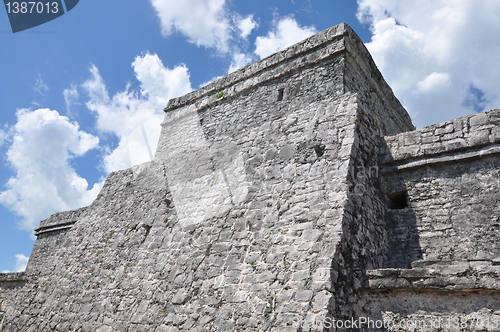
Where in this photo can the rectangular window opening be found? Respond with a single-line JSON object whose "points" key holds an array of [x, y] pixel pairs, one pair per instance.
{"points": [[398, 200], [280, 94]]}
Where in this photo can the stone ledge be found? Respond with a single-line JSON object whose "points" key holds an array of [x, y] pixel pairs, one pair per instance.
{"points": [[456, 156], [13, 277], [467, 275], [54, 228], [475, 132], [61, 219]]}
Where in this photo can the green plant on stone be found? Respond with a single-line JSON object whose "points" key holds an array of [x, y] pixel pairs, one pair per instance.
{"points": [[220, 94]]}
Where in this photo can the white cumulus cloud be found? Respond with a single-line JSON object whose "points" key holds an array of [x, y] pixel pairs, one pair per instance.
{"points": [[246, 25], [434, 82], [204, 22], [43, 143], [21, 262], [285, 32], [135, 116], [439, 56], [211, 24]]}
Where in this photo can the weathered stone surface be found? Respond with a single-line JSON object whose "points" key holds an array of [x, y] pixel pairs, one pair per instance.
{"points": [[455, 137], [439, 275], [277, 202]]}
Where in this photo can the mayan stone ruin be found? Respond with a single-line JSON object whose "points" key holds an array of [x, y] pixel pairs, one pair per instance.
{"points": [[291, 195]]}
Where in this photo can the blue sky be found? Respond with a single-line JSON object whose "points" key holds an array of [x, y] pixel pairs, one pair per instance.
{"points": [[76, 92]]}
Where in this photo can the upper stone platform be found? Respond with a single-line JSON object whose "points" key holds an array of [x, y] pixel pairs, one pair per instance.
{"points": [[359, 75]]}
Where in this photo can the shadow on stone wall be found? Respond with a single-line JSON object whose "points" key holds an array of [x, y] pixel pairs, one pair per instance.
{"points": [[403, 240], [402, 235], [379, 231]]}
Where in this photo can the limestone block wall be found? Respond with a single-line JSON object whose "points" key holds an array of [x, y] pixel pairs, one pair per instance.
{"points": [[450, 173], [240, 222], [274, 262], [96, 273], [9, 283], [364, 243], [277, 202], [129, 263], [430, 310], [442, 270], [454, 212]]}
